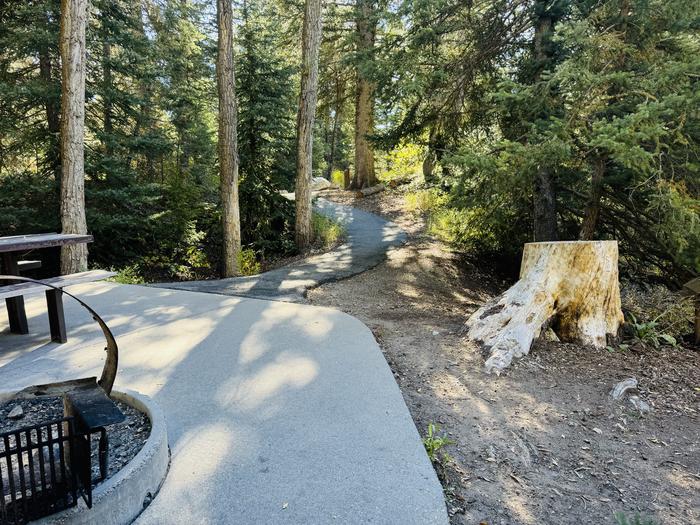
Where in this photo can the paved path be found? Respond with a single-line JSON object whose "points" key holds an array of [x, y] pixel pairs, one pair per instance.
{"points": [[277, 413], [369, 237]]}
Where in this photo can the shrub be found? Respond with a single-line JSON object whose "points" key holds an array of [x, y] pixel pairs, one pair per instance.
{"points": [[327, 232], [402, 163], [129, 275], [248, 263], [338, 177], [425, 201], [655, 308]]}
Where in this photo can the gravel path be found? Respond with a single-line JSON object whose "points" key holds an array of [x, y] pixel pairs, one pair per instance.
{"points": [[369, 238]]}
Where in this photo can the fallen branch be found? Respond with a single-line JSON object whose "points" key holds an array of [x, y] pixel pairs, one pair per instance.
{"points": [[366, 192]]}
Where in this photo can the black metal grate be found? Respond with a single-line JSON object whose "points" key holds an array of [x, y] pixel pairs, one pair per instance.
{"points": [[35, 478]]}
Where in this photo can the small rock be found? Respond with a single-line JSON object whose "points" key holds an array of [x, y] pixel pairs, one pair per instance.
{"points": [[641, 405], [435, 332], [597, 430], [16, 412], [551, 336], [622, 387]]}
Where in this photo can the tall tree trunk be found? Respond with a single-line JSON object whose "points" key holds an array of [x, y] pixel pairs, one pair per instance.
{"points": [[228, 143], [592, 211], [72, 47], [545, 207], [53, 123], [364, 97], [544, 193], [336, 126], [311, 41], [107, 91]]}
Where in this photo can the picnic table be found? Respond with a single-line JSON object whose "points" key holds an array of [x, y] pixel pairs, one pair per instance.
{"points": [[10, 250]]}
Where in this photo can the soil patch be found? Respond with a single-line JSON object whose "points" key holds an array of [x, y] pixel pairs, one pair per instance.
{"points": [[544, 442]]}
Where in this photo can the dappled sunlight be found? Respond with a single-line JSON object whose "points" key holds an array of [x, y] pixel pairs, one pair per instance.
{"points": [[209, 450], [453, 389], [163, 349], [256, 389], [681, 477], [307, 320], [518, 504], [408, 291]]}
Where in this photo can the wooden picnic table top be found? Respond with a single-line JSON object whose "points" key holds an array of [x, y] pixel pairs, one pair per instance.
{"points": [[18, 243]]}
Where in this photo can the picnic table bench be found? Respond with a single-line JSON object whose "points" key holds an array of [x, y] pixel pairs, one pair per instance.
{"points": [[14, 293]]}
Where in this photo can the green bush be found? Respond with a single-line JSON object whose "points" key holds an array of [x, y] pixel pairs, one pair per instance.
{"points": [[129, 275], [248, 263], [654, 309], [338, 177], [401, 163], [327, 232], [425, 201]]}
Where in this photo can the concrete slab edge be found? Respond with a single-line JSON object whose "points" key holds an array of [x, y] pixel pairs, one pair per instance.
{"points": [[122, 498]]}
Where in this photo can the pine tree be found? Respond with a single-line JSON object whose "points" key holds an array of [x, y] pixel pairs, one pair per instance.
{"points": [[228, 144], [72, 46], [311, 41]]}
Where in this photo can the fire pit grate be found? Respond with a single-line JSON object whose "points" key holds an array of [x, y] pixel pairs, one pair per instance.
{"points": [[45, 466], [35, 476]]}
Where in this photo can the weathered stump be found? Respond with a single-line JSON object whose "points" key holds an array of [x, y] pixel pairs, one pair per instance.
{"points": [[571, 286]]}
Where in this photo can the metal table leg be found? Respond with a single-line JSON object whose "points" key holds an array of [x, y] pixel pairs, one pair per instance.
{"points": [[15, 305]]}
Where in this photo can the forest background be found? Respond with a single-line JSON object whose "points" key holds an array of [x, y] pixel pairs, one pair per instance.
{"points": [[512, 121]]}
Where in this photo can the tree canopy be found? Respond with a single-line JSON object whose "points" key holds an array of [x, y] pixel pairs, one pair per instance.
{"points": [[524, 119]]}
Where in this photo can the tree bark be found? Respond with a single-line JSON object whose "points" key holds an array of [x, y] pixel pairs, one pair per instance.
{"points": [[543, 193], [107, 93], [53, 123], [72, 48], [228, 144], [336, 126], [571, 285], [311, 41], [364, 97], [545, 207], [592, 210]]}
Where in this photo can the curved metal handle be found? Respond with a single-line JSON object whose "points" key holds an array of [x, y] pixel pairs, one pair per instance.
{"points": [[109, 371]]}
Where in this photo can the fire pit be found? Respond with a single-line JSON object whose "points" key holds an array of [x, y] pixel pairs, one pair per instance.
{"points": [[51, 462]]}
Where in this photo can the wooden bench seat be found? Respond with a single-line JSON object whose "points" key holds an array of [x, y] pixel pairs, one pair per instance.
{"points": [[54, 298]]}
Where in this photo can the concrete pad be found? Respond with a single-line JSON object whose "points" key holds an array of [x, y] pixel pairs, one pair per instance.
{"points": [[369, 237], [276, 412]]}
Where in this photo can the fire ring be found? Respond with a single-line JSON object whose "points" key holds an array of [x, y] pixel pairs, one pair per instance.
{"points": [[121, 498]]}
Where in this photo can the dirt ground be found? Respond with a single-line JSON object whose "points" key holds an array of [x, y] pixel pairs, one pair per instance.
{"points": [[544, 442]]}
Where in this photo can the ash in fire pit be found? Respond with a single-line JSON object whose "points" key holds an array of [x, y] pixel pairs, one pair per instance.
{"points": [[125, 438]]}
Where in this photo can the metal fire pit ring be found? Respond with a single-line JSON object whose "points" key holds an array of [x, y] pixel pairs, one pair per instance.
{"points": [[109, 371], [120, 499]]}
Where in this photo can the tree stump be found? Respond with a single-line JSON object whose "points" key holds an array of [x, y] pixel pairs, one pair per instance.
{"points": [[570, 286]]}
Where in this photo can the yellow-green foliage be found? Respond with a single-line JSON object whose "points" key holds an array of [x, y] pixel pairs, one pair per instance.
{"points": [[337, 177], [248, 263], [403, 162], [128, 275], [425, 201], [327, 232]]}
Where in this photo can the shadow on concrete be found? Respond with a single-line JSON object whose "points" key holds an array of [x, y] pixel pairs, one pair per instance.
{"points": [[276, 412], [369, 237]]}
